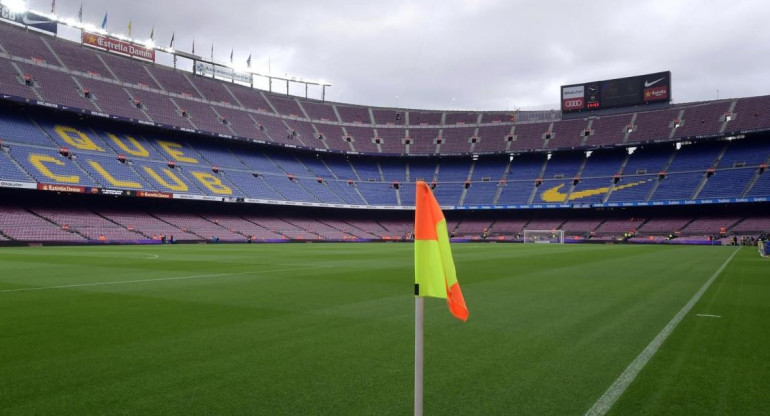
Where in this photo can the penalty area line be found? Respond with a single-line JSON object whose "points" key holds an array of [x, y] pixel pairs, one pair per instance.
{"points": [[608, 399], [162, 279]]}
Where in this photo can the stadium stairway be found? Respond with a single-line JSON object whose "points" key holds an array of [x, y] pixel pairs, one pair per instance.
{"points": [[714, 164], [756, 177], [218, 223], [632, 124], [535, 188], [731, 111], [189, 231], [621, 170], [657, 182], [53, 52], [577, 175], [751, 184], [121, 225], [43, 217], [304, 228], [468, 178], [33, 87], [503, 178], [81, 90], [371, 231]]}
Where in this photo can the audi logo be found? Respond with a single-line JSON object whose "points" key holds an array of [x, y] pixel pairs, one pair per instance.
{"points": [[573, 103]]}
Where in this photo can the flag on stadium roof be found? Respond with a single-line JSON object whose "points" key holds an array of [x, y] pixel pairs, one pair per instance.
{"points": [[193, 48], [53, 6], [231, 55], [80, 13], [434, 269], [104, 21], [248, 61], [130, 26], [171, 44], [152, 33]]}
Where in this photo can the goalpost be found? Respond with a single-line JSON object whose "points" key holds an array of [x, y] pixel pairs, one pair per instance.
{"points": [[544, 236]]}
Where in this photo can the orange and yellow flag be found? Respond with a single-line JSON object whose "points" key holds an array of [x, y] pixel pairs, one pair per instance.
{"points": [[434, 269]]}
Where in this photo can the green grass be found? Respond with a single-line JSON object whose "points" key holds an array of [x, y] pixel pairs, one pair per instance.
{"points": [[327, 329]]}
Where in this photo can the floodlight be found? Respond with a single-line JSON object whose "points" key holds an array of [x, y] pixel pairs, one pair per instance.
{"points": [[15, 6]]}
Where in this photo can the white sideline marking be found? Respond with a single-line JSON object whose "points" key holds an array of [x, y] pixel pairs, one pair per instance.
{"points": [[608, 399], [111, 255], [162, 279], [705, 315]]}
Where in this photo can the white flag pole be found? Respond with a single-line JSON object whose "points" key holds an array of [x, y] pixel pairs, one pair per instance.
{"points": [[419, 312]]}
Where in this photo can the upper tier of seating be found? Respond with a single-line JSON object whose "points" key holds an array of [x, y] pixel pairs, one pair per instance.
{"points": [[34, 66]]}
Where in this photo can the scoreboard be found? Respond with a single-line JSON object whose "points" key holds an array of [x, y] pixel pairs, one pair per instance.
{"points": [[621, 92]]}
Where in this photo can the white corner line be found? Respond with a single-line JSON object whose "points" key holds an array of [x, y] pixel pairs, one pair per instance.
{"points": [[162, 279], [706, 315], [608, 399]]}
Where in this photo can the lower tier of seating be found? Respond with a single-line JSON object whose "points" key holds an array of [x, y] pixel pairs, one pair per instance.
{"points": [[82, 225]]}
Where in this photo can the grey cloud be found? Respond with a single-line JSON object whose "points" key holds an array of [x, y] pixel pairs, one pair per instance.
{"points": [[481, 53]]}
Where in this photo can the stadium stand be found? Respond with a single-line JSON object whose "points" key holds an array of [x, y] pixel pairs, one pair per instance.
{"points": [[19, 224], [201, 138]]}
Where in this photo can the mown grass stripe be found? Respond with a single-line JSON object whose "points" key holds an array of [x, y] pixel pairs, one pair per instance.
{"points": [[608, 399]]}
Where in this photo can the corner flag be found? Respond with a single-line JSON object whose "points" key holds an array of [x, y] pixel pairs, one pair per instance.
{"points": [[434, 275], [434, 269]]}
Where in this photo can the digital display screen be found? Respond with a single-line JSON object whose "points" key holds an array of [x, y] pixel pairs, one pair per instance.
{"points": [[621, 92]]}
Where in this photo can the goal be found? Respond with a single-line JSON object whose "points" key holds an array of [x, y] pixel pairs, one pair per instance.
{"points": [[544, 236]]}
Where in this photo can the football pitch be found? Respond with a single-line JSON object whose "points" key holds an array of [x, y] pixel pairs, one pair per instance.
{"points": [[328, 329]]}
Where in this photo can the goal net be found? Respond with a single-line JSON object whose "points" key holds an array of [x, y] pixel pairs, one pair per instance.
{"points": [[544, 236]]}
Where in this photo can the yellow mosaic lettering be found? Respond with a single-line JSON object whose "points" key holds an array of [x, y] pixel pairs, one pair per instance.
{"points": [[114, 182], [138, 149], [171, 149], [179, 185], [213, 183], [39, 161], [76, 138]]}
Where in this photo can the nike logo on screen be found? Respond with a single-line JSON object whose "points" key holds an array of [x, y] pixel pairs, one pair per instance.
{"points": [[553, 194], [648, 84], [31, 21]]}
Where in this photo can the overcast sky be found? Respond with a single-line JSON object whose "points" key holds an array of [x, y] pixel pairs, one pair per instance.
{"points": [[465, 54]]}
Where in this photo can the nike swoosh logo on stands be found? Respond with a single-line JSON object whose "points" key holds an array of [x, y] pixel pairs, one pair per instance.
{"points": [[650, 84], [553, 194], [28, 21]]}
